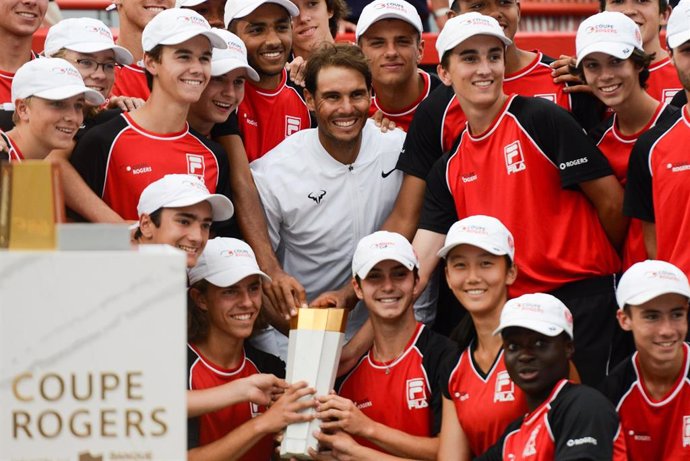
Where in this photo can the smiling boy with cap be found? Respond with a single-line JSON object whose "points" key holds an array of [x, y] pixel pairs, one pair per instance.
{"points": [[225, 301], [178, 210], [265, 27], [566, 420], [651, 389], [119, 158], [49, 96], [389, 33], [393, 393]]}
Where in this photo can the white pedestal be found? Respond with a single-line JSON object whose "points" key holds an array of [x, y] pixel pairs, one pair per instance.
{"points": [[92, 356]]}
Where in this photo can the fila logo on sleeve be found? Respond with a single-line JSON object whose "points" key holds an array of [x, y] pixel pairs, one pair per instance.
{"points": [[292, 125], [505, 390], [686, 431], [196, 165], [416, 394], [515, 162]]}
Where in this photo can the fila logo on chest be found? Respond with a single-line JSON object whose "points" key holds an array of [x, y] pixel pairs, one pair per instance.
{"points": [[515, 161]]}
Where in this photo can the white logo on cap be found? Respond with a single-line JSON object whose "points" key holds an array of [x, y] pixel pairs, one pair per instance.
{"points": [[602, 29], [390, 6], [477, 22], [237, 253], [382, 245], [100, 31], [474, 229], [198, 21], [662, 275], [70, 72], [530, 307]]}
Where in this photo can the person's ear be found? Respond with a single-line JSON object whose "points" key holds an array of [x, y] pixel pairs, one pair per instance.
{"points": [[199, 298], [624, 320]]}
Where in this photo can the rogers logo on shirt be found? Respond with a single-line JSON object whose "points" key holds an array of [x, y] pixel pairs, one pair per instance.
{"points": [[139, 168], [678, 166], [581, 441]]}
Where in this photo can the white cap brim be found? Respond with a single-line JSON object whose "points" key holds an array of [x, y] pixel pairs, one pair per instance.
{"points": [[675, 40], [223, 66], [453, 43], [92, 97], [642, 298], [291, 8], [479, 243], [363, 27], [216, 40], [221, 206], [545, 328], [617, 50], [122, 55], [188, 3], [231, 276], [384, 255]]}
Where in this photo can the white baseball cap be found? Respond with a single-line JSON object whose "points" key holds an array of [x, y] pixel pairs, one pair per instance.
{"points": [[646, 280], [231, 58], [84, 35], [224, 262], [177, 25], [381, 246], [485, 232], [387, 9], [464, 26], [187, 3], [539, 312], [678, 26], [235, 9], [609, 32], [51, 78], [181, 190]]}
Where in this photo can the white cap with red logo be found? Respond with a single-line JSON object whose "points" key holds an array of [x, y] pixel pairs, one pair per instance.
{"points": [[224, 262], [181, 190], [235, 9], [648, 279], [381, 246], [231, 58], [84, 35], [485, 232], [387, 9], [609, 32], [465, 26], [51, 78], [177, 25], [538, 312]]}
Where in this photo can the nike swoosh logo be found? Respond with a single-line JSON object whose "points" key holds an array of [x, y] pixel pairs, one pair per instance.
{"points": [[385, 175]]}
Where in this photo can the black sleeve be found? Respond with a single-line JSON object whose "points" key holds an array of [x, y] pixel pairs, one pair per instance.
{"points": [[447, 368], [598, 132], [438, 211], [6, 123], [90, 156], [98, 119], [618, 381], [265, 362], [192, 423], [495, 452], [227, 128], [584, 425], [230, 227], [437, 350], [680, 99], [638, 201], [562, 140], [587, 110], [422, 145]]}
